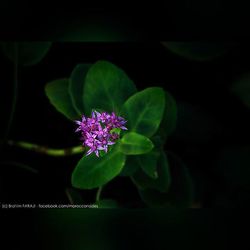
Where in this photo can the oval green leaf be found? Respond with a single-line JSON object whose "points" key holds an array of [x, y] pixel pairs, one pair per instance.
{"points": [[29, 53], [106, 87], [162, 183], [76, 83], [157, 141], [130, 167], [169, 119], [148, 163], [57, 92], [92, 172], [180, 193], [135, 144], [144, 111], [198, 51]]}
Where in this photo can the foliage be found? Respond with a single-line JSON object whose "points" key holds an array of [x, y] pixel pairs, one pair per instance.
{"points": [[139, 153]]}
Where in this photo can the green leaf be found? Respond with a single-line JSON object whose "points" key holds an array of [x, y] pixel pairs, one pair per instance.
{"points": [[169, 119], [106, 87], [92, 172], [135, 144], [199, 51], [241, 89], [144, 111], [107, 203], [180, 193], [148, 163], [76, 83], [57, 92], [29, 53], [157, 141], [130, 167], [162, 183]]}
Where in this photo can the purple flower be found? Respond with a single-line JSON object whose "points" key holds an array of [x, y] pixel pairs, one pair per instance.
{"points": [[96, 131]]}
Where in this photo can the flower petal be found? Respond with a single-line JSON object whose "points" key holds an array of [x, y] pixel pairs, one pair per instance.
{"points": [[78, 122], [78, 129], [93, 114], [89, 152], [97, 153]]}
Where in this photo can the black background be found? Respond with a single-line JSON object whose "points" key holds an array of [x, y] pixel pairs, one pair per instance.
{"points": [[204, 84], [150, 229]]}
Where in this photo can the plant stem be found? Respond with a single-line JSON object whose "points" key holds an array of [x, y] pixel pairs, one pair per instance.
{"points": [[47, 151], [20, 165], [69, 196], [98, 194]]}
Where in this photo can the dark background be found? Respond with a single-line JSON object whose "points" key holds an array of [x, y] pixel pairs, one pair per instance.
{"points": [[160, 229], [210, 118]]}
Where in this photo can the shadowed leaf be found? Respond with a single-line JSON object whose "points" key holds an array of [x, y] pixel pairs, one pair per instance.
{"points": [[29, 53], [198, 51], [148, 163], [130, 167], [162, 183], [180, 193], [76, 83], [57, 92], [168, 123]]}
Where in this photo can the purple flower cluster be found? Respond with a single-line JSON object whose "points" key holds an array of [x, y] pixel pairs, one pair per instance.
{"points": [[97, 131]]}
